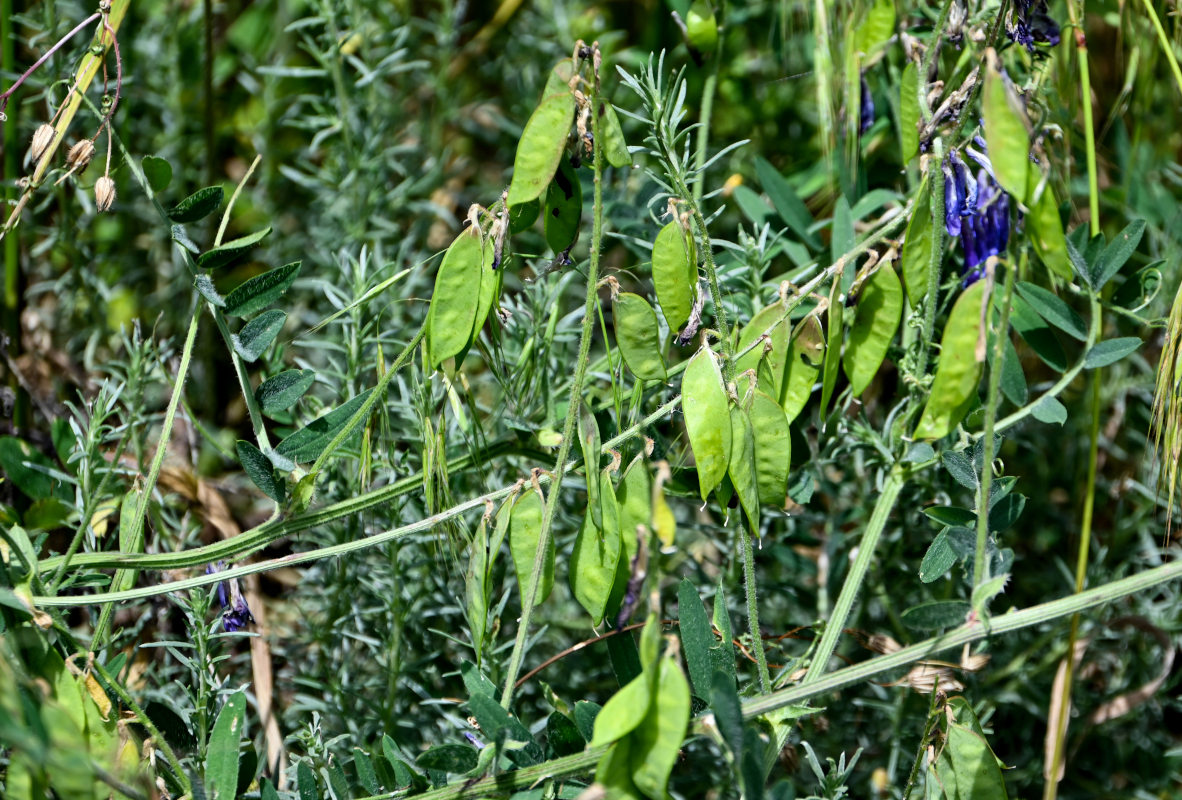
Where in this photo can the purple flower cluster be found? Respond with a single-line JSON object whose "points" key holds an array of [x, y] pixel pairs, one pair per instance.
{"points": [[866, 110], [235, 612], [1031, 24], [976, 210]]}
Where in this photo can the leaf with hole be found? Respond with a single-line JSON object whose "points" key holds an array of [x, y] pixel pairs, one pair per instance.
{"points": [[564, 208]]}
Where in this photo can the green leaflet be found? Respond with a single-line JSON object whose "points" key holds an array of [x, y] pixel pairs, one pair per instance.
{"points": [[261, 290], [525, 529], [221, 763], [957, 372], [638, 336], [876, 318], [540, 148], [675, 274], [706, 419]]}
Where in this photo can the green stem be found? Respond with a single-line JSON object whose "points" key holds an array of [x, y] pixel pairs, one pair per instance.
{"points": [[935, 257], [853, 581], [839, 679], [572, 412], [765, 679], [12, 264], [1164, 40], [146, 721], [980, 565], [136, 533]]}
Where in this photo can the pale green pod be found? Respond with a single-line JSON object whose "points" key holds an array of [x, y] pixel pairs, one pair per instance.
{"points": [[876, 319], [638, 336], [525, 530], [957, 372], [674, 274], [540, 148], [707, 419]]}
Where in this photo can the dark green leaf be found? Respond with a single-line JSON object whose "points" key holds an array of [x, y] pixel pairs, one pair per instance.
{"points": [[20, 461], [257, 335], [158, 172], [963, 541], [724, 699], [452, 758], [1118, 252], [696, 637], [585, 713], [498, 725], [724, 651], [1051, 308], [1013, 380], [961, 468], [752, 205], [261, 290], [260, 470], [787, 203], [308, 442], [951, 515], [267, 790], [365, 771], [938, 560], [230, 252], [306, 782], [221, 762], [1006, 512], [751, 764], [475, 681], [281, 392], [562, 736], [1037, 334], [1110, 351], [198, 205], [935, 615]]}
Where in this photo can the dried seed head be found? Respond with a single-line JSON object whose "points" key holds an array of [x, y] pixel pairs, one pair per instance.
{"points": [[42, 139], [104, 193], [80, 155]]}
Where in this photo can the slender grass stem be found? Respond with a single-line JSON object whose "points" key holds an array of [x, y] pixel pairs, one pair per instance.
{"points": [[1166, 48]]}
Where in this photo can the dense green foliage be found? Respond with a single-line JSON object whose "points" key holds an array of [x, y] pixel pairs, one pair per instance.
{"points": [[705, 401]]}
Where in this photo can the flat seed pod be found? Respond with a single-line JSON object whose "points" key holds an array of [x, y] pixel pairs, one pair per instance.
{"points": [[876, 318], [564, 208], [773, 448], [452, 316], [1005, 129], [476, 588], [776, 359], [589, 444], [957, 371], [707, 419], [558, 81], [490, 286], [615, 149], [909, 111], [834, 333], [525, 529], [741, 467], [634, 504], [805, 354], [917, 246], [1046, 234], [596, 555], [672, 268], [540, 148], [657, 740], [638, 336]]}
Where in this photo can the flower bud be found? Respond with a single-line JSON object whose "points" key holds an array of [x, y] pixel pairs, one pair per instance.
{"points": [[104, 193], [80, 155], [42, 139]]}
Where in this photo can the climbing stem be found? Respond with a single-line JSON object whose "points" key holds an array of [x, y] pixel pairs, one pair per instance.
{"points": [[765, 680]]}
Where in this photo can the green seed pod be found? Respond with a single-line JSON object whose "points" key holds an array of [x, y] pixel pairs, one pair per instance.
{"points": [[451, 319], [917, 246], [834, 332], [741, 467], [564, 208], [615, 149], [776, 358], [525, 529], [876, 319], [596, 554], [540, 148], [638, 336], [773, 448], [957, 372], [805, 355], [675, 274], [707, 419]]}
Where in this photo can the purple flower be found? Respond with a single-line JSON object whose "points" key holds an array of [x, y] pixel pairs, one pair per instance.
{"points": [[866, 116], [235, 612], [987, 232], [960, 193], [1031, 24]]}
